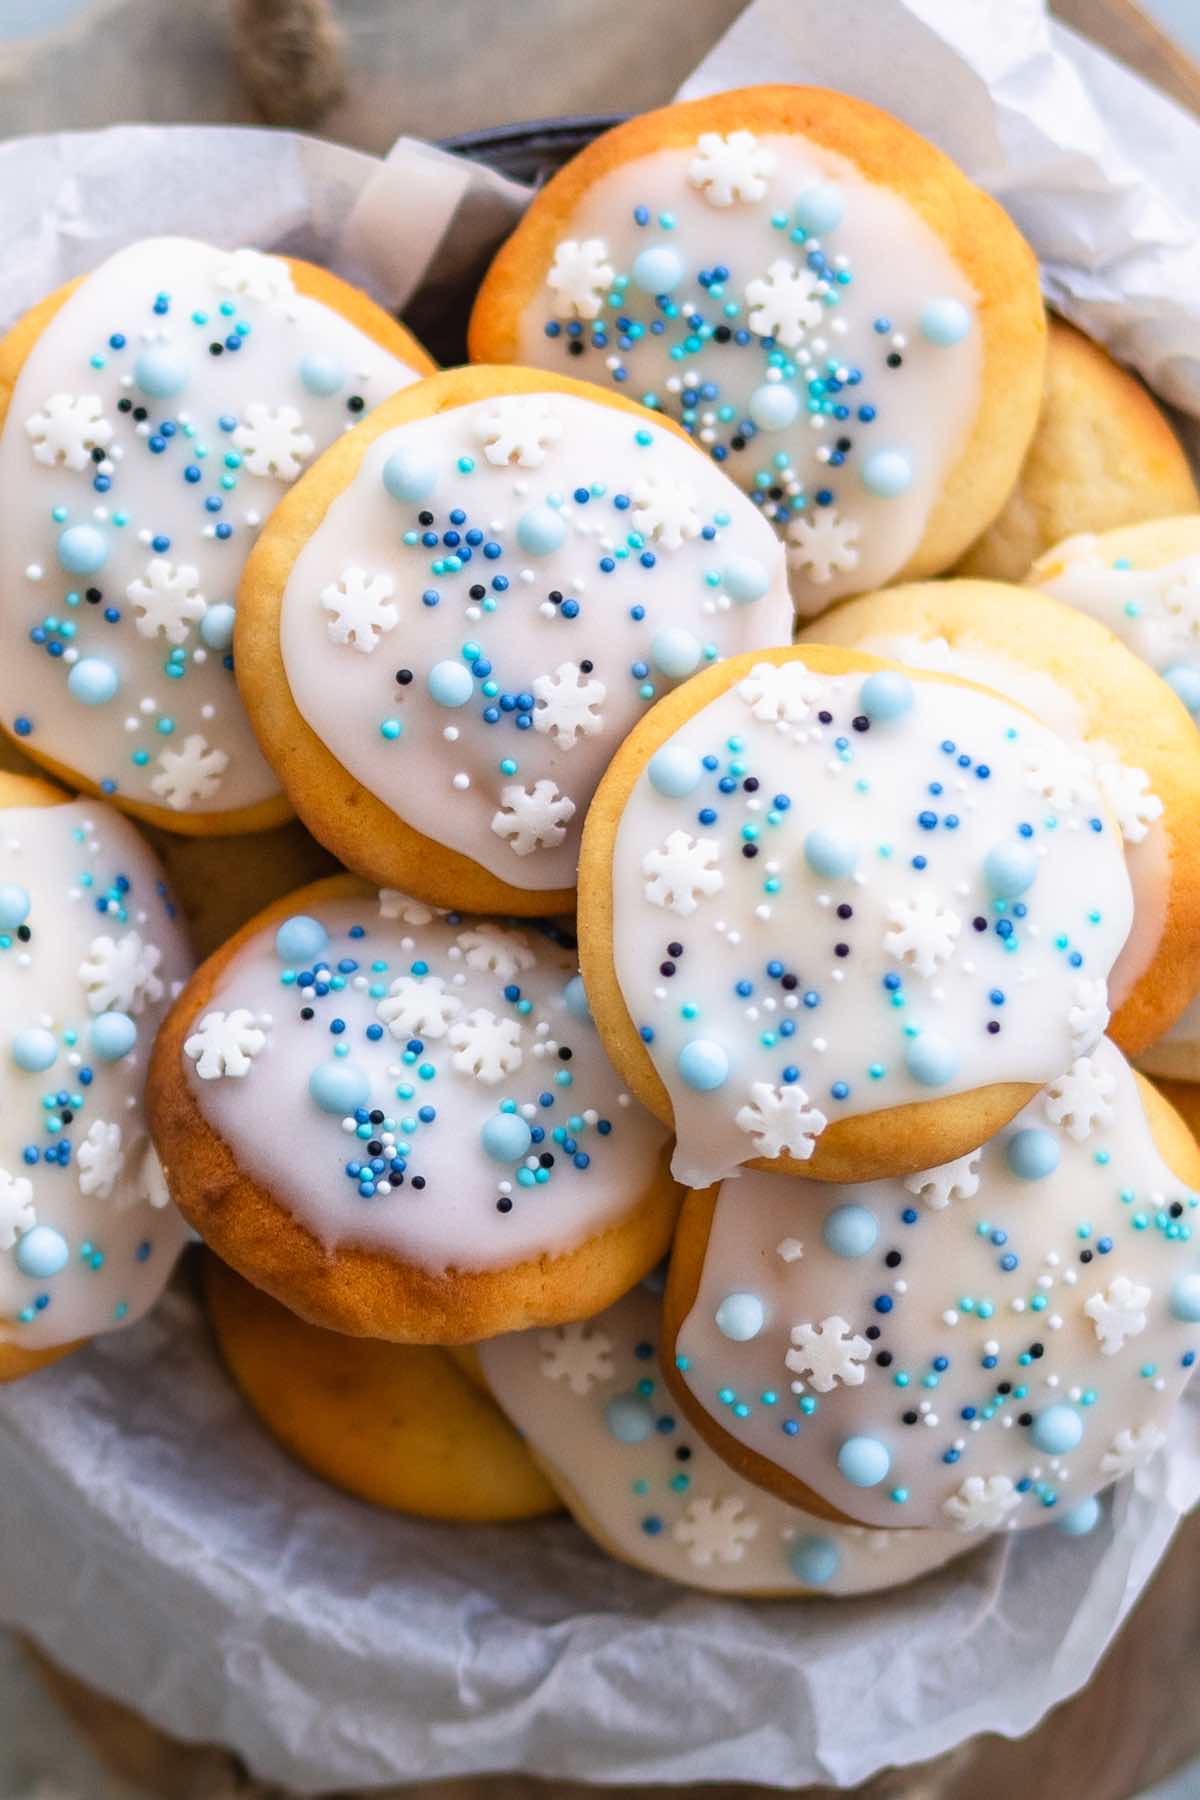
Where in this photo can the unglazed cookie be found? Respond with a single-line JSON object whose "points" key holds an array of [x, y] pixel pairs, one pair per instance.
{"points": [[842, 920], [979, 1346], [450, 624], [839, 317], [591, 1403], [403, 1125], [398, 1425], [1177, 1053], [91, 955], [1143, 582], [1103, 452], [152, 414], [1138, 744]]}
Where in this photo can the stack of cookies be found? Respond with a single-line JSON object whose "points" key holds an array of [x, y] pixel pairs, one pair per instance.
{"points": [[743, 722]]}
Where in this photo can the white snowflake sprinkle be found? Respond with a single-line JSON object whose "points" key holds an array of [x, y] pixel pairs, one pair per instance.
{"points": [[1118, 1313], [65, 431], [578, 1354], [418, 1006], [395, 905], [359, 604], [821, 542], [496, 951], [118, 974], [519, 429], [567, 704], [1131, 1448], [682, 872], [257, 276], [982, 1503], [824, 1355], [957, 1180], [17, 1211], [273, 441], [1079, 1100], [100, 1159], [715, 1530], [1127, 795], [665, 510], [779, 693], [785, 302], [532, 818], [1088, 1017], [579, 278], [191, 774], [485, 1046], [730, 168], [780, 1118], [225, 1044], [168, 598], [921, 931], [1061, 776]]}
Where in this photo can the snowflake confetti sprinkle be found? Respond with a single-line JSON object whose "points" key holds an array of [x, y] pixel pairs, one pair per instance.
{"points": [[682, 872], [730, 168], [982, 1503], [664, 510], [360, 609], [168, 598], [225, 1044], [65, 431], [579, 278], [1081, 1099], [1130, 1449], [957, 1180], [821, 543], [518, 430], [578, 1354], [921, 932], [824, 1355], [256, 276], [1119, 1313], [118, 974], [273, 441], [567, 705], [17, 1211], [715, 1530], [418, 1006], [100, 1159], [779, 693], [496, 951], [485, 1046], [191, 774], [532, 818], [785, 302], [779, 1119]]}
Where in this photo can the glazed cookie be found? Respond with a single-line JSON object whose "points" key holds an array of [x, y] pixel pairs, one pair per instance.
{"points": [[152, 414], [398, 1425], [840, 920], [842, 321], [449, 625], [976, 1346], [402, 1124], [1138, 745], [1143, 582], [91, 955], [1103, 451], [591, 1403]]}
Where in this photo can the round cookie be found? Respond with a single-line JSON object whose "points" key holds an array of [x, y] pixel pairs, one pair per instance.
{"points": [[1138, 744], [590, 1401], [91, 954], [841, 919], [451, 622], [1176, 1054], [151, 414], [1143, 582], [1103, 451], [397, 1425], [403, 1125], [979, 1346], [844, 322]]}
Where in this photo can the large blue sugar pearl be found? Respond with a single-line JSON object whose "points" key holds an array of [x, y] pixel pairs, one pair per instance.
{"points": [[322, 375], [864, 1461], [82, 549], [1057, 1430], [1186, 682], [850, 1230], [14, 906], [814, 1560], [744, 579], [450, 683], [885, 696], [675, 653], [657, 269], [161, 372], [93, 681], [944, 322], [1185, 1298], [34, 1049], [830, 856], [112, 1035], [338, 1087], [820, 208], [773, 406], [740, 1317], [506, 1137], [629, 1418], [1080, 1519], [1009, 869], [1033, 1153], [703, 1065], [887, 474], [216, 627], [540, 531], [576, 1000], [299, 939], [41, 1252], [931, 1059], [407, 476], [673, 771]]}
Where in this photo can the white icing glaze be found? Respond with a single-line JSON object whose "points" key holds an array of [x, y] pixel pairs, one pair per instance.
{"points": [[688, 1517], [506, 783], [842, 537], [251, 1053], [173, 732], [101, 937], [1126, 790], [1156, 611], [1002, 1307], [916, 964]]}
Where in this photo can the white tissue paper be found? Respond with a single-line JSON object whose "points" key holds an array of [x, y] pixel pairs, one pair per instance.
{"points": [[153, 1539]]}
